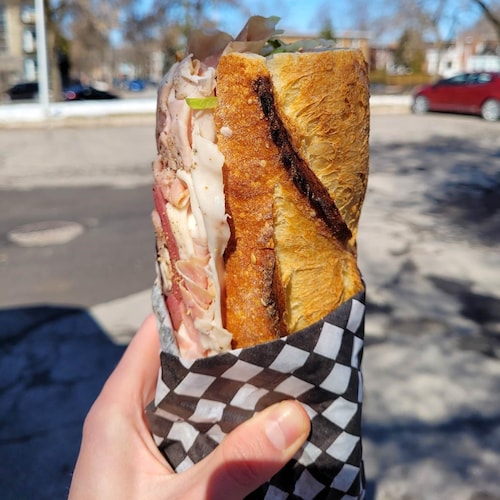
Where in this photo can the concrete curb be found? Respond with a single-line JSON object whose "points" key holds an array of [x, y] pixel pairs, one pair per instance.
{"points": [[33, 113], [26, 113], [121, 318]]}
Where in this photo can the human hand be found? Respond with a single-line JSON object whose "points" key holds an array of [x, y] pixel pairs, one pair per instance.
{"points": [[119, 459]]}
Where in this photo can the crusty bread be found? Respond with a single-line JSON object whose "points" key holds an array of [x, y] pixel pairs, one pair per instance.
{"points": [[323, 100], [294, 133], [252, 169]]}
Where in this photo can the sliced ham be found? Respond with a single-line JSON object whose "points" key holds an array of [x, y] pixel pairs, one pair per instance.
{"points": [[189, 198]]}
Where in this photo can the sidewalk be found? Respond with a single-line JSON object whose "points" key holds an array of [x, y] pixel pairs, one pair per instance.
{"points": [[33, 113]]}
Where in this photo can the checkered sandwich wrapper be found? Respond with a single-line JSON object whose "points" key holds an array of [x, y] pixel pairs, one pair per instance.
{"points": [[200, 401]]}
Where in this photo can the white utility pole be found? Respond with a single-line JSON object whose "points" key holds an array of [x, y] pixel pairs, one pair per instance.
{"points": [[41, 55]]}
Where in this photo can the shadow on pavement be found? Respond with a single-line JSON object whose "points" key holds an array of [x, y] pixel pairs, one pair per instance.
{"points": [[53, 363], [460, 180]]}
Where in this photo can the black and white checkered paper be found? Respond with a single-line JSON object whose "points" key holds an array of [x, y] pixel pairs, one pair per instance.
{"points": [[199, 401]]}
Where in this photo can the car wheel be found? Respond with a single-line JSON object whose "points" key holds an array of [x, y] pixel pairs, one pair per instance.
{"points": [[490, 110], [420, 105]]}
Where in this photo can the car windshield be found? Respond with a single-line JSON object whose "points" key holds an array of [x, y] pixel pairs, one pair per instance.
{"points": [[468, 78], [457, 80]]}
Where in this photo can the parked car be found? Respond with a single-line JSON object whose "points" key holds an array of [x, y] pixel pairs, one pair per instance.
{"points": [[22, 91], [470, 93], [136, 85], [84, 92]]}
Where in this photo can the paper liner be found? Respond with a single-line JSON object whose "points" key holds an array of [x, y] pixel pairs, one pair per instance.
{"points": [[198, 402]]}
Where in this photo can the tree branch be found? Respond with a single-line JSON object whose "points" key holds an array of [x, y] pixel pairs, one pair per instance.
{"points": [[488, 13]]}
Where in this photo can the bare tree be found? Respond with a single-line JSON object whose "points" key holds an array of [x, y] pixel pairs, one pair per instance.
{"points": [[490, 14], [430, 16], [423, 17], [327, 31], [360, 13], [437, 20], [168, 23], [91, 49], [77, 29], [410, 52]]}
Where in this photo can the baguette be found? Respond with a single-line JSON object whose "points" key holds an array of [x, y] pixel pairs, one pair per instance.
{"points": [[295, 173]]}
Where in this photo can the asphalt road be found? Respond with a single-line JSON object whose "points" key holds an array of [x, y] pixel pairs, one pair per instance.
{"points": [[97, 179], [112, 257], [428, 246]]}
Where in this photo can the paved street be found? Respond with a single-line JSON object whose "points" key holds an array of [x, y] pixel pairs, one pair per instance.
{"points": [[94, 177], [429, 249], [75, 286]]}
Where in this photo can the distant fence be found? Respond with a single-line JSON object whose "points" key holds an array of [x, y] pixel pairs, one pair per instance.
{"points": [[405, 81]]}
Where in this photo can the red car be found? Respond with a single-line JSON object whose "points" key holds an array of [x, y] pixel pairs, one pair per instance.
{"points": [[471, 93]]}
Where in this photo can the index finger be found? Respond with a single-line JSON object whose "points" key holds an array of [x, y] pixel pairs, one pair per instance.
{"points": [[136, 374]]}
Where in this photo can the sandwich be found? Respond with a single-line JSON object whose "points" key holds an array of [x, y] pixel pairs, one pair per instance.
{"points": [[259, 181]]}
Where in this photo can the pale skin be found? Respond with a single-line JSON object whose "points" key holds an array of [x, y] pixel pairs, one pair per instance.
{"points": [[119, 459]]}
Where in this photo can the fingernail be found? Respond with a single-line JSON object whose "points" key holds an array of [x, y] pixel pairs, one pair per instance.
{"points": [[286, 425]]}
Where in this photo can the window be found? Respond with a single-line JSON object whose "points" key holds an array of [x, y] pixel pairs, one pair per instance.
{"points": [[29, 41], [484, 78], [3, 28], [458, 80], [28, 15]]}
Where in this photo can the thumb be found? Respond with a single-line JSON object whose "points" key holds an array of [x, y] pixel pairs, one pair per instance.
{"points": [[255, 451]]}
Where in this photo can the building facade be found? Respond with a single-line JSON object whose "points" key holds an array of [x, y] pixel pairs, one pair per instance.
{"points": [[470, 52], [17, 42]]}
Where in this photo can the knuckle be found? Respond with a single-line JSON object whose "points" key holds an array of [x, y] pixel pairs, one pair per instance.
{"points": [[242, 465]]}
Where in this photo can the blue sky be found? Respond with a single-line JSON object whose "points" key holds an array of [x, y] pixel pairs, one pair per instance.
{"points": [[296, 15], [302, 16], [307, 16]]}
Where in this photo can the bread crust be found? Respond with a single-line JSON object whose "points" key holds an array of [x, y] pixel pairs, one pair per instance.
{"points": [[288, 263], [250, 172], [323, 99]]}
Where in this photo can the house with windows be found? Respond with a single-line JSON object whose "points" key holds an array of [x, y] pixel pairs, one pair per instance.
{"points": [[17, 42], [473, 50], [468, 53]]}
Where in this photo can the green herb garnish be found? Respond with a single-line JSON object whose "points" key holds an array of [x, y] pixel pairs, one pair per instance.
{"points": [[201, 102], [275, 46]]}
